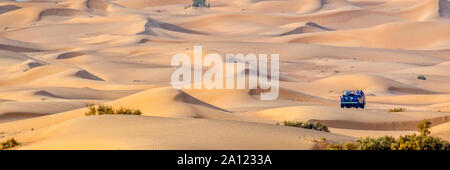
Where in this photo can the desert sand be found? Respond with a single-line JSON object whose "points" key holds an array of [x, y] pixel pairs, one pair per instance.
{"points": [[56, 56]]}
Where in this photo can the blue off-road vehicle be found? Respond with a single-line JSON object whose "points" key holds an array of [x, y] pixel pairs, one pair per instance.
{"points": [[353, 98]]}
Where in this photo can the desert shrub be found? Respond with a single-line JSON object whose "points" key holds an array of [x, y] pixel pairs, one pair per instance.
{"points": [[336, 147], [420, 142], [105, 110], [92, 110], [408, 142], [423, 127], [421, 77], [308, 125], [350, 146], [319, 144], [344, 146], [380, 143], [10, 143], [397, 109], [125, 111], [200, 3], [108, 110], [367, 143]]}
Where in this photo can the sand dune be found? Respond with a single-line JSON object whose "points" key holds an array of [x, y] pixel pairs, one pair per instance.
{"points": [[10, 111], [382, 37], [7, 8], [137, 132], [58, 12], [444, 8], [86, 75], [370, 83], [97, 4], [139, 4], [339, 118], [166, 102], [444, 107], [417, 10], [441, 131], [413, 99], [69, 55], [33, 94], [17, 49], [57, 56], [307, 28], [153, 24]]}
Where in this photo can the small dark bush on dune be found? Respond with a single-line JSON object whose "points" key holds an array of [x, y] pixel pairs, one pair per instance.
{"points": [[200, 3], [308, 125], [408, 142], [397, 109], [108, 110], [421, 77]]}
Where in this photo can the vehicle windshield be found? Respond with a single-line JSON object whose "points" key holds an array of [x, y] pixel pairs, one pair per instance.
{"points": [[351, 92]]}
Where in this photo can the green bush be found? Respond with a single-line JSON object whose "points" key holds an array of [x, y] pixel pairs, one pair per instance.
{"points": [[423, 127], [108, 110], [399, 109], [308, 125], [420, 142], [105, 110], [10, 143], [421, 77], [345, 146], [92, 110], [408, 142], [380, 143]]}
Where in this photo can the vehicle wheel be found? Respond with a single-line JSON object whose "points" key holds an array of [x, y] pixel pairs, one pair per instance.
{"points": [[363, 105], [348, 106], [342, 105], [357, 106]]}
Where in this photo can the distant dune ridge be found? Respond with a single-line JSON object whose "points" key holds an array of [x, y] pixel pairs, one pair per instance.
{"points": [[57, 56]]}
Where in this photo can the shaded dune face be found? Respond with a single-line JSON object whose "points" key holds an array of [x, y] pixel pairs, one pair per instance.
{"points": [[86, 75], [7, 8], [307, 28], [444, 8], [154, 24], [17, 48], [58, 12], [69, 55], [97, 4], [58, 56]]}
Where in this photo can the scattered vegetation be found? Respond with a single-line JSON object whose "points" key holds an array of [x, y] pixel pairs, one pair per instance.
{"points": [[421, 141], [258, 91], [108, 110], [308, 125], [397, 109], [320, 144], [421, 77], [10, 143], [200, 3]]}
